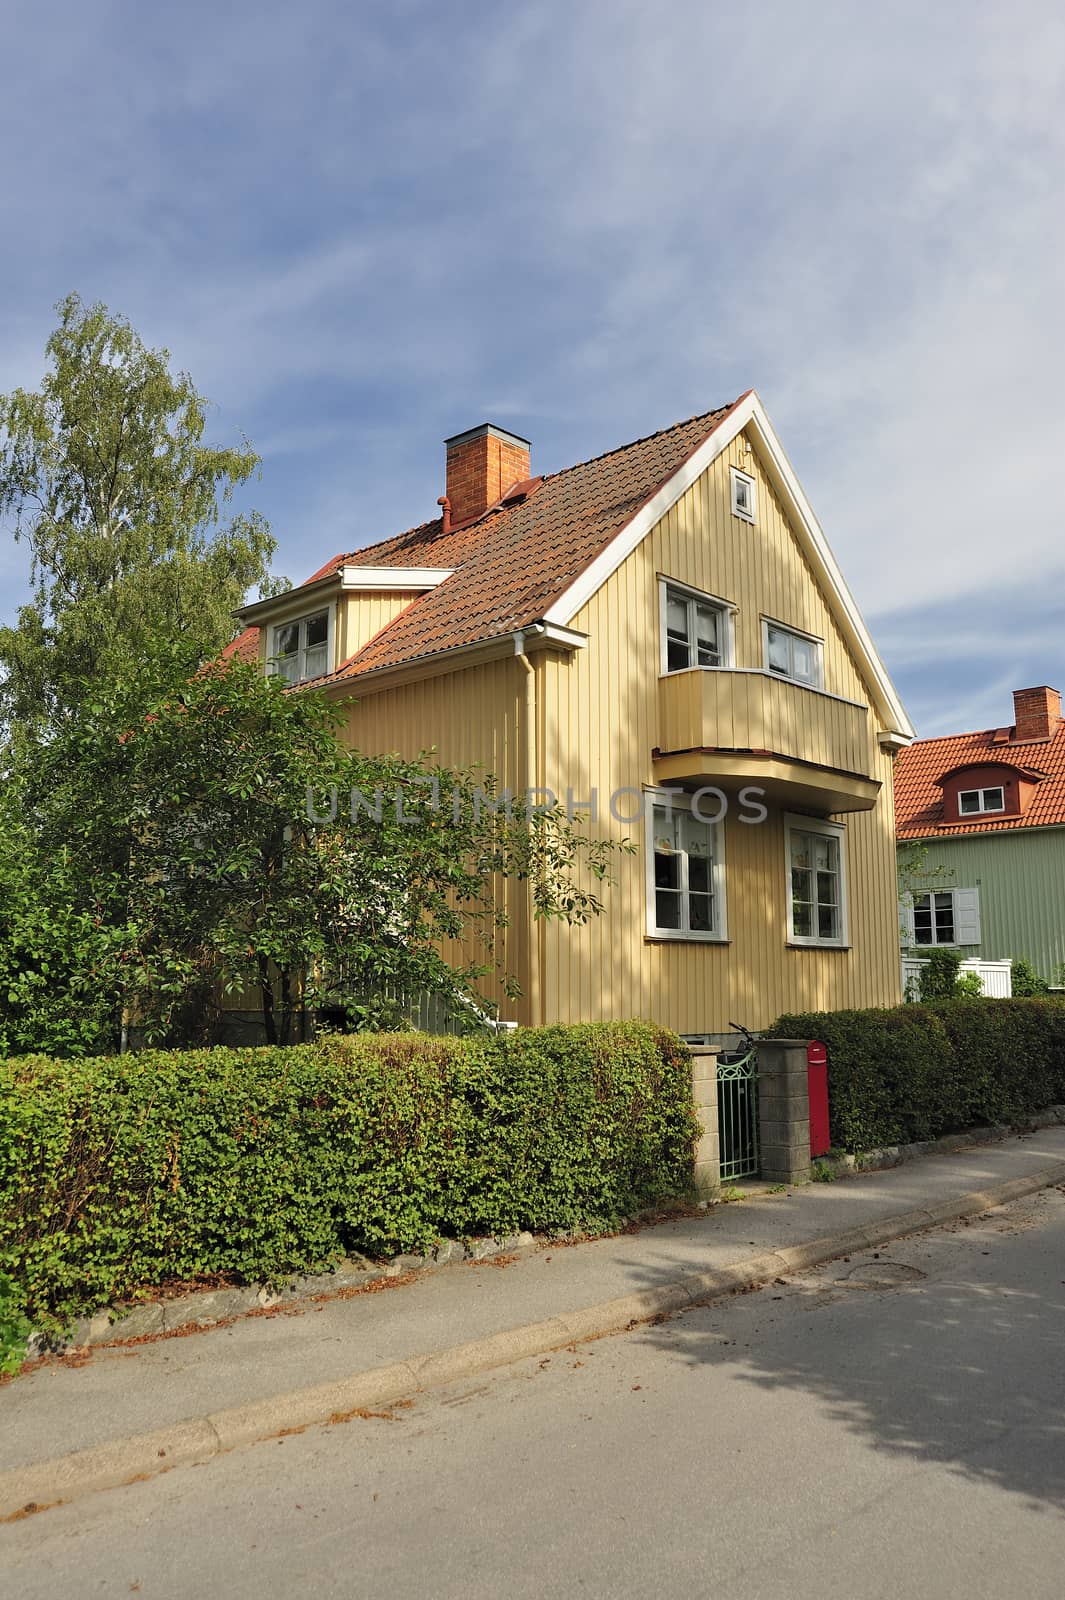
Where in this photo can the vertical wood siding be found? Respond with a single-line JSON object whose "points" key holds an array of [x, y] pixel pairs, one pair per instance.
{"points": [[597, 720], [475, 718], [1021, 879], [361, 616], [601, 720]]}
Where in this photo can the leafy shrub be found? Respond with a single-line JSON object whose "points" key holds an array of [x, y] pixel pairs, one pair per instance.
{"points": [[14, 1328], [938, 978], [122, 1172], [917, 1071], [1026, 980], [968, 986]]}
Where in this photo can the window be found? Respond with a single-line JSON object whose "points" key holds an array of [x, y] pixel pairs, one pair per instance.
{"points": [[686, 874], [792, 655], [933, 918], [971, 802], [743, 501], [942, 916], [300, 650], [817, 890], [696, 629]]}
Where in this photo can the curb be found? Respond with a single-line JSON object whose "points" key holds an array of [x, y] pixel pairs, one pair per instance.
{"points": [[197, 1440], [885, 1157]]}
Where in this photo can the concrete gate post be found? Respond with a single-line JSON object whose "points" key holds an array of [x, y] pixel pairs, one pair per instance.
{"points": [[784, 1110], [708, 1149]]}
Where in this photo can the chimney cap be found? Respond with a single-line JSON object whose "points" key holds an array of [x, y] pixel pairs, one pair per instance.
{"points": [[482, 431]]}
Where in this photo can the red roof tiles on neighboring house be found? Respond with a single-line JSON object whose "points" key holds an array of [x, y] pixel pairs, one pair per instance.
{"points": [[512, 563], [919, 800]]}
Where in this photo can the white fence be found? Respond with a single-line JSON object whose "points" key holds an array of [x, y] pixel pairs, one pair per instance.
{"points": [[996, 977]]}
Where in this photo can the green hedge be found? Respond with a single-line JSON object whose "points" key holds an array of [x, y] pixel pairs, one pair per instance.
{"points": [[122, 1172], [918, 1071]]}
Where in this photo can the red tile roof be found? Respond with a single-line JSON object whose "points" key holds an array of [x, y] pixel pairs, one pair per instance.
{"points": [[512, 563], [245, 647], [919, 801]]}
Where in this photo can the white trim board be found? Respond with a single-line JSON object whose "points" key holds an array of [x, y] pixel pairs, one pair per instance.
{"points": [[397, 578], [749, 412]]}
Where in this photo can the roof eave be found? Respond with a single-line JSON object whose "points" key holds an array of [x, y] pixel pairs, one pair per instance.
{"points": [[274, 605], [533, 636]]}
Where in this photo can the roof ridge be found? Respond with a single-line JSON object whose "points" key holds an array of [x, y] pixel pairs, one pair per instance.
{"points": [[684, 422], [941, 738], [421, 527], [987, 733]]}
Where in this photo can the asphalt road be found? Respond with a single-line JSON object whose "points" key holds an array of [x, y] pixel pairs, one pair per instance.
{"points": [[891, 1425]]}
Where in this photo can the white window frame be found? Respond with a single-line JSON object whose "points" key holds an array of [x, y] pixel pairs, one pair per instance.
{"points": [[935, 943], [793, 633], [288, 622], [965, 917], [719, 933], [831, 830], [983, 809], [697, 597], [742, 481]]}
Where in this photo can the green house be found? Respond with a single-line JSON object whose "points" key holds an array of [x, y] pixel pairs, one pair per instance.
{"points": [[980, 824]]}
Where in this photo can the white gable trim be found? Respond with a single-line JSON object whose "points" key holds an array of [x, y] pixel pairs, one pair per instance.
{"points": [[750, 413], [625, 542]]}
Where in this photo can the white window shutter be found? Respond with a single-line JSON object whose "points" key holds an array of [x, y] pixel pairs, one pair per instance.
{"points": [[966, 916], [906, 932]]}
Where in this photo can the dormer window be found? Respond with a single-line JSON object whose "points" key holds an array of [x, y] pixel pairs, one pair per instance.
{"points": [[299, 650], [989, 790], [975, 802]]}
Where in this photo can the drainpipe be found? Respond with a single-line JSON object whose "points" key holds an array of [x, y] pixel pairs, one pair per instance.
{"points": [[536, 929]]}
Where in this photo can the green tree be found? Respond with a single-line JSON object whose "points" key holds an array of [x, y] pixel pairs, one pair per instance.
{"points": [[183, 835], [105, 475], [915, 877]]}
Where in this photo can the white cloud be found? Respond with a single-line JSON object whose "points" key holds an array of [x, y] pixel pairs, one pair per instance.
{"points": [[361, 232]]}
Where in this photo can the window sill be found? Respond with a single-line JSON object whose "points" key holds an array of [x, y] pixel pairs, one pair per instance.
{"points": [[686, 938], [816, 944]]}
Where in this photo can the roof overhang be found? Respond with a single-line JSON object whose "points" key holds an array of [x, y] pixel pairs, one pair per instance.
{"points": [[348, 579], [749, 413], [276, 605], [534, 637]]}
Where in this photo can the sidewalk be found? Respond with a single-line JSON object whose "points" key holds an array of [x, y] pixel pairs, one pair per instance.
{"points": [[122, 1393]]}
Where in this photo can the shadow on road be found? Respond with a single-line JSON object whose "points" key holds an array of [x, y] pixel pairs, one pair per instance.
{"points": [[965, 1368]]}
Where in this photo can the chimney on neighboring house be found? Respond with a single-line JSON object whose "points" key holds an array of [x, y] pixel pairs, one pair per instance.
{"points": [[1036, 712], [482, 464]]}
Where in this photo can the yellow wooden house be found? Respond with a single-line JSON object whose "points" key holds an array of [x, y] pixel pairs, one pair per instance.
{"points": [[661, 637]]}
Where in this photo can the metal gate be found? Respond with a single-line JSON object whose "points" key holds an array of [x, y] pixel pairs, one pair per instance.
{"points": [[737, 1116]]}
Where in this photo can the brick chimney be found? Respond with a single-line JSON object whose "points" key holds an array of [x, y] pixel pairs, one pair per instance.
{"points": [[1036, 712], [482, 464]]}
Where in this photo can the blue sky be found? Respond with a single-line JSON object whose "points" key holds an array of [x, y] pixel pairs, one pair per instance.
{"points": [[363, 228]]}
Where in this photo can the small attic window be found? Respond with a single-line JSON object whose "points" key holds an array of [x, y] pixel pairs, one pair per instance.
{"points": [[975, 802], [743, 496]]}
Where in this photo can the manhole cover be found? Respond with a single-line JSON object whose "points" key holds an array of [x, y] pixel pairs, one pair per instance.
{"points": [[881, 1275]]}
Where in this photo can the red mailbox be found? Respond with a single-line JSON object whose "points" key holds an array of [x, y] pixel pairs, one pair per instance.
{"points": [[817, 1081]]}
